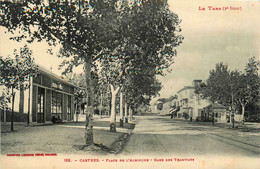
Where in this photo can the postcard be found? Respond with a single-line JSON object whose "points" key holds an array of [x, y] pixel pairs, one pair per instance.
{"points": [[130, 84]]}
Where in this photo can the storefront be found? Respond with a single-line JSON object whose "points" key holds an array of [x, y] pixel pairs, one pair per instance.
{"points": [[49, 96], [52, 97]]}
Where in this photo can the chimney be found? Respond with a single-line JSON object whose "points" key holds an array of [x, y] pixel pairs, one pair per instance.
{"points": [[196, 83]]}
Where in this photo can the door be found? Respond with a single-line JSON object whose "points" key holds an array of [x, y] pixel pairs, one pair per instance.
{"points": [[40, 106]]}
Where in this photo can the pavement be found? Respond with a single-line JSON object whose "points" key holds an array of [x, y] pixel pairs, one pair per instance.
{"points": [[63, 138]]}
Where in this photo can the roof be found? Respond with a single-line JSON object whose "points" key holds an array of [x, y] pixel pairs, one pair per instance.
{"points": [[185, 88], [48, 73], [162, 100], [216, 106], [197, 80]]}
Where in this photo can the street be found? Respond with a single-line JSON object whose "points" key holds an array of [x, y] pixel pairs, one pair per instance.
{"points": [[152, 135], [160, 135], [155, 142]]}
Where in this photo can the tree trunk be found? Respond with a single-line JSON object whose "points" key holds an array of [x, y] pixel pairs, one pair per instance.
{"points": [[233, 119], [131, 113], [230, 116], [121, 110], [4, 113], [100, 110], [12, 114], [21, 101], [126, 115], [213, 120], [113, 109], [89, 115], [109, 109], [243, 113], [29, 102], [136, 109], [232, 112]]}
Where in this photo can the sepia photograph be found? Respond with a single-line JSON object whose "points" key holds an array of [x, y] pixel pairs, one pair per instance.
{"points": [[100, 84]]}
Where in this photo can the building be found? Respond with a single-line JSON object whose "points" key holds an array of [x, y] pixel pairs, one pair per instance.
{"points": [[186, 101], [190, 104], [166, 106], [216, 110], [49, 97], [162, 106]]}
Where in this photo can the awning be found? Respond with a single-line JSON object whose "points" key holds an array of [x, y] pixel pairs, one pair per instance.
{"points": [[172, 110]]}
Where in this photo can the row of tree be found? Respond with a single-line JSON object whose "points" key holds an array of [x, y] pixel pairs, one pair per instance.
{"points": [[233, 88], [16, 73], [123, 44]]}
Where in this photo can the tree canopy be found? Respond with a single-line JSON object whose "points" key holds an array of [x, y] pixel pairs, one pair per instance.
{"points": [[232, 87], [17, 69], [141, 34]]}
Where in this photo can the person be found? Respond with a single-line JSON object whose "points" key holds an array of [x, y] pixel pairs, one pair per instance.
{"points": [[53, 119], [58, 119]]}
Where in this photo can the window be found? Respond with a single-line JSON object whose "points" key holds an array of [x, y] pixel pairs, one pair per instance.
{"points": [[199, 112], [56, 104], [69, 108], [218, 115], [40, 105], [191, 94], [40, 100]]}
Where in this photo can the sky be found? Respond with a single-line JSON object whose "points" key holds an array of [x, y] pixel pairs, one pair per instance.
{"points": [[210, 37]]}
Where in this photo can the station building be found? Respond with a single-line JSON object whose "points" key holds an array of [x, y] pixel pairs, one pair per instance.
{"points": [[50, 96]]}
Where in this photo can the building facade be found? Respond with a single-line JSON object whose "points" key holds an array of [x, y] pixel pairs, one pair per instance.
{"points": [[191, 104], [186, 101], [49, 97], [216, 111]]}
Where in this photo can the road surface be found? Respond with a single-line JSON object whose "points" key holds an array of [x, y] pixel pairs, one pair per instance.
{"points": [[158, 135]]}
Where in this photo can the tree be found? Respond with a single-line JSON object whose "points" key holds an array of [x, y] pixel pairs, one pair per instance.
{"points": [[111, 75], [231, 88], [220, 87], [135, 53], [90, 31], [140, 88], [83, 29], [248, 85], [135, 85], [79, 92], [147, 47], [15, 72], [5, 99]]}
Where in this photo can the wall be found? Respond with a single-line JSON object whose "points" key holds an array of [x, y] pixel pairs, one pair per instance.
{"points": [[186, 100], [199, 104], [18, 117]]}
